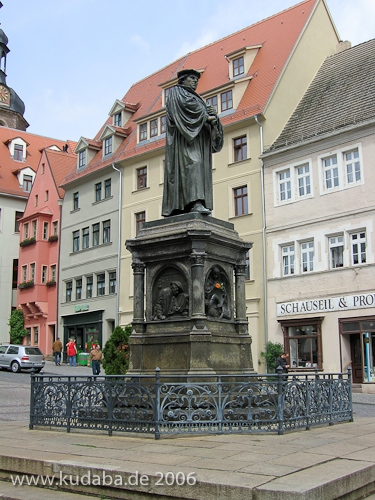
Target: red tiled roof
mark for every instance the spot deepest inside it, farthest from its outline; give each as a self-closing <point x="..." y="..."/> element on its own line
<point x="9" y="167"/>
<point x="277" y="36"/>
<point x="61" y="164"/>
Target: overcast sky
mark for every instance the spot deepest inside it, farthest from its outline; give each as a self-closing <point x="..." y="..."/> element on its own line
<point x="70" y="60"/>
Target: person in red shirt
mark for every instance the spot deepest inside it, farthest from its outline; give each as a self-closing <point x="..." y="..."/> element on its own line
<point x="71" y="351"/>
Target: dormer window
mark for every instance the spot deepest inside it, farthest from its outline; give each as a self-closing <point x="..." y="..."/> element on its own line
<point x="212" y="101"/>
<point x="143" y="132"/>
<point x="226" y="100"/>
<point x="117" y="120"/>
<point x="238" y="66"/>
<point x="163" y="124"/>
<point x="27" y="183"/>
<point x="82" y="158"/>
<point x="108" y="146"/>
<point x="18" y="152"/>
<point x="153" y="128"/>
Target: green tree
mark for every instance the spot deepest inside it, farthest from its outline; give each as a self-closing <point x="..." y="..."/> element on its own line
<point x="116" y="352"/>
<point x="273" y="351"/>
<point x="17" y="331"/>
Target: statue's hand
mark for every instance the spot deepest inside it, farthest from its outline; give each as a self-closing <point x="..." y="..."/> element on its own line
<point x="211" y="110"/>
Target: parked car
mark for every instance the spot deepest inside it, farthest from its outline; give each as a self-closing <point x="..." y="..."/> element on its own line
<point x="21" y="357"/>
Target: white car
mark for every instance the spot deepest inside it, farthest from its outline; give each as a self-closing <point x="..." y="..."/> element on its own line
<point x="21" y="357"/>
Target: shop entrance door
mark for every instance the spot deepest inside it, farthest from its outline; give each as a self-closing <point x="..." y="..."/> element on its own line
<point x="357" y="366"/>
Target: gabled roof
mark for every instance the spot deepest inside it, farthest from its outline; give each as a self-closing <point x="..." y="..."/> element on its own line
<point x="60" y="163"/>
<point x="341" y="94"/>
<point x="9" y="167"/>
<point x="276" y="36"/>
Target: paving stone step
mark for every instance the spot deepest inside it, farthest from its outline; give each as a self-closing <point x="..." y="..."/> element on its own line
<point x="10" y="492"/>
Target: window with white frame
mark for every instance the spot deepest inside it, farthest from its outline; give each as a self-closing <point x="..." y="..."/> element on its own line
<point x="307" y="256"/>
<point x="34" y="228"/>
<point x="85" y="237"/>
<point x="352" y="166"/>
<point x="68" y="291"/>
<point x="26" y="230"/>
<point x="358" y="246"/>
<point x="55" y="226"/>
<point x="100" y="284"/>
<point x="108" y="146"/>
<point x="106" y="231"/>
<point x="79" y="289"/>
<point x="331" y="172"/>
<point x="24" y="273"/>
<point x="53" y="272"/>
<point x="107" y="188"/>
<point x="287" y="253"/>
<point x="143" y="132"/>
<point x="285" y="185"/>
<point x="44" y="274"/>
<point x="336" y="251"/>
<point x="32" y="271"/>
<point x="82" y="158"/>
<point x="75" y="241"/>
<point x="112" y="282"/>
<point x="45" y="230"/>
<point x="303" y="180"/>
<point x="117" y="120"/>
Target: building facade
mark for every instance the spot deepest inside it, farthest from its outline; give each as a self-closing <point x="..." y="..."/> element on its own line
<point x="320" y="207"/>
<point x="89" y="264"/>
<point x="254" y="78"/>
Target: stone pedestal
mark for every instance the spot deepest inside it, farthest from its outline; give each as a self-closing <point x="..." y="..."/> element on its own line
<point x="193" y="320"/>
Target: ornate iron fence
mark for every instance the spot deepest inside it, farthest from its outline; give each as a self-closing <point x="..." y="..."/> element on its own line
<point x="161" y="404"/>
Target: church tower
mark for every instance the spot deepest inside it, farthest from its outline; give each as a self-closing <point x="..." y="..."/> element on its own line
<point x="12" y="107"/>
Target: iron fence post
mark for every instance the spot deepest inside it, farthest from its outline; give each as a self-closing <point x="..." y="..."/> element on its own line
<point x="68" y="407"/>
<point x="350" y="392"/>
<point x="220" y="409"/>
<point x="157" y="403"/>
<point x="308" y="401"/>
<point x="32" y="400"/>
<point x="280" y="400"/>
<point x="330" y="388"/>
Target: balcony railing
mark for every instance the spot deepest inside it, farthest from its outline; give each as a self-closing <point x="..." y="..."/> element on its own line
<point x="161" y="404"/>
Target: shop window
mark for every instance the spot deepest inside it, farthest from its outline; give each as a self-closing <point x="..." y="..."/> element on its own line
<point x="303" y="343"/>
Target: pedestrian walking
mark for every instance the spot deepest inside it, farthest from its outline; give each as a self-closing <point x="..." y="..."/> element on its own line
<point x="57" y="349"/>
<point x="95" y="358"/>
<point x="71" y="350"/>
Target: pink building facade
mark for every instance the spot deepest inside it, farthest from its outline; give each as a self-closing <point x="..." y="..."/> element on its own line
<point x="39" y="250"/>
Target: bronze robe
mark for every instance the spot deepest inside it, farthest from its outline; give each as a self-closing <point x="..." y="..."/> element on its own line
<point x="190" y="142"/>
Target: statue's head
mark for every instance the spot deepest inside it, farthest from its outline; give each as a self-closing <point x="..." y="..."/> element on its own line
<point x="185" y="75"/>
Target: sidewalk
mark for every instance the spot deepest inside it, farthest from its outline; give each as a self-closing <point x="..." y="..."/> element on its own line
<point x="323" y="463"/>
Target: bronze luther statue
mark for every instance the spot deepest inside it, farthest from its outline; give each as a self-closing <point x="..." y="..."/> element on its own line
<point x="194" y="132"/>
